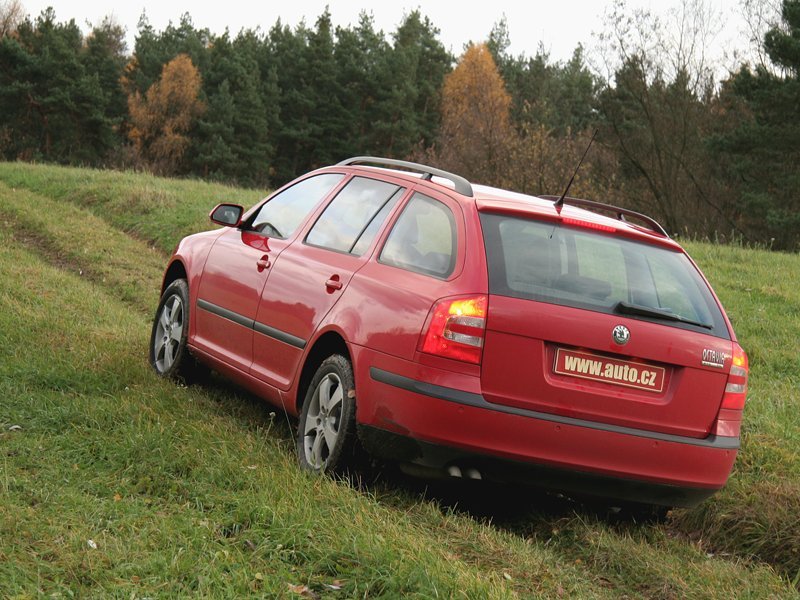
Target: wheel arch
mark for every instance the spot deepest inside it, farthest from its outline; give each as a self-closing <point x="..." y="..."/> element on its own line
<point x="176" y="270"/>
<point x="329" y="343"/>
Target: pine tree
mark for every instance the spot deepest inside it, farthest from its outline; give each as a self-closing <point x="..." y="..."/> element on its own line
<point x="419" y="66"/>
<point x="331" y="121"/>
<point x="558" y="96"/>
<point x="231" y="141"/>
<point x="54" y="104"/>
<point x="295" y="139"/>
<point x="104" y="58"/>
<point x="212" y="153"/>
<point x="763" y="151"/>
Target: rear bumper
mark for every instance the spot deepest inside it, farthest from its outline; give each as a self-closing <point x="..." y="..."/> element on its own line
<point x="438" y="427"/>
<point x="394" y="446"/>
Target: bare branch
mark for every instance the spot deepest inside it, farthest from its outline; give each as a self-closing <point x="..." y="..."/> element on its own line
<point x="11" y="15"/>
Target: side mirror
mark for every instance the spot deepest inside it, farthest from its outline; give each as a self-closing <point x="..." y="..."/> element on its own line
<point x="229" y="215"/>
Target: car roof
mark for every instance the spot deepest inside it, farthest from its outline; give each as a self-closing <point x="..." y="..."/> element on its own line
<point x="621" y="221"/>
<point x="496" y="200"/>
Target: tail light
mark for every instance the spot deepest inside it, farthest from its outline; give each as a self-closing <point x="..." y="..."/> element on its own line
<point x="455" y="328"/>
<point x="729" y="419"/>
<point x="736" y="388"/>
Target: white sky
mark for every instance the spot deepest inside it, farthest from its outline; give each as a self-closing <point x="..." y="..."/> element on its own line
<point x="559" y="25"/>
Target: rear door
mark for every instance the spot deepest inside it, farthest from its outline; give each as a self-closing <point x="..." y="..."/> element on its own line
<point x="422" y="256"/>
<point x="312" y="274"/>
<point x="594" y="326"/>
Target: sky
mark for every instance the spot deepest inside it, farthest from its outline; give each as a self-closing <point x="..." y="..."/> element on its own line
<point x="559" y="26"/>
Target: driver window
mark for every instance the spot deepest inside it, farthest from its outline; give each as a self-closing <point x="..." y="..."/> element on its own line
<point x="281" y="215"/>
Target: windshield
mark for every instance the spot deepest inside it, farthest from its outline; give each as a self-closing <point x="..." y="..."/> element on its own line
<point x="573" y="266"/>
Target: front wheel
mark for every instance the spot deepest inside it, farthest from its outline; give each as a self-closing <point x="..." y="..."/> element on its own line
<point x="169" y="355"/>
<point x="326" y="433"/>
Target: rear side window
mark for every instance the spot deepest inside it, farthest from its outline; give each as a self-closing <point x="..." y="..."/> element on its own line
<point x="571" y="266"/>
<point x="423" y="238"/>
<point x="352" y="219"/>
<point x="282" y="214"/>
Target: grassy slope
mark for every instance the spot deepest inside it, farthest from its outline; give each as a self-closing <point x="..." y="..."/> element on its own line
<point x="195" y="490"/>
<point x="759" y="511"/>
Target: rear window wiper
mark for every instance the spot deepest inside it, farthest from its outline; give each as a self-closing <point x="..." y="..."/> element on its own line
<point x="647" y="311"/>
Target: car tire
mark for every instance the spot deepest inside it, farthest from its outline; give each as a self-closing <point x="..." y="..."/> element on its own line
<point x="326" y="433"/>
<point x="169" y="355"/>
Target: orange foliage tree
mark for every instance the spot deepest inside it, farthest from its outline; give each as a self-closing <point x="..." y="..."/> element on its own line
<point x="476" y="134"/>
<point x="161" y="119"/>
<point x="479" y="140"/>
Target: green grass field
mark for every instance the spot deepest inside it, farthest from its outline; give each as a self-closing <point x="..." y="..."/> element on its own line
<point x="114" y="483"/>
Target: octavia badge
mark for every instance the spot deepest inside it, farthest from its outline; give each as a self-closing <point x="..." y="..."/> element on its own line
<point x="621" y="335"/>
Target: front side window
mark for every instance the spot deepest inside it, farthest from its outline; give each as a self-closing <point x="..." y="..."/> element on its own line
<point x="353" y="218"/>
<point x="572" y="266"/>
<point x="423" y="238"/>
<point x="282" y="214"/>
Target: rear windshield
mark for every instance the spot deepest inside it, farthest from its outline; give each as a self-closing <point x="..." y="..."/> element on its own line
<point x="573" y="266"/>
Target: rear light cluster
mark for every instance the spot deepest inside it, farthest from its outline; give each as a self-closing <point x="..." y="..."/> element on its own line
<point x="736" y="389"/>
<point x="455" y="328"/>
<point x="729" y="420"/>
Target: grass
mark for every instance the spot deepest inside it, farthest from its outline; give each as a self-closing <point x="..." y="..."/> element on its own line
<point x="195" y="491"/>
<point x="759" y="512"/>
<point x="83" y="244"/>
<point x="159" y="211"/>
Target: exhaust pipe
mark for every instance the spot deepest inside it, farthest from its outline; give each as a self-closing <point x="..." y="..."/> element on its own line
<point x="473" y="474"/>
<point x="470" y="473"/>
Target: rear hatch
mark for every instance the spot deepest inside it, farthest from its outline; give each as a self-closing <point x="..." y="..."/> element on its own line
<point x="586" y="323"/>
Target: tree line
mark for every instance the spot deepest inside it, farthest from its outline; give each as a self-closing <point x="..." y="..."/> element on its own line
<point x="707" y="157"/>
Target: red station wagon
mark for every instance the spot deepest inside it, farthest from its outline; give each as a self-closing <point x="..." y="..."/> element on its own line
<point x="465" y="331"/>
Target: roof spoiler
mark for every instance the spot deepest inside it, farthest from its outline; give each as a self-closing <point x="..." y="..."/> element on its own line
<point x="462" y="186"/>
<point x="621" y="214"/>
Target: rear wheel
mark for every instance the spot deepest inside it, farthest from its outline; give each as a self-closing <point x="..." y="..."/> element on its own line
<point x="326" y="433"/>
<point x="169" y="355"/>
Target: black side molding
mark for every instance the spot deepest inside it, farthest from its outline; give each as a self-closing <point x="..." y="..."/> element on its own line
<point x="281" y="336"/>
<point x="225" y="313"/>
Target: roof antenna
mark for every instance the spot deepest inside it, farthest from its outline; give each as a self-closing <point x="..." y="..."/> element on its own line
<point x="560" y="202"/>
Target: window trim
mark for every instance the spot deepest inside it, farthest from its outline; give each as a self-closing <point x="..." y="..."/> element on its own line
<point x="400" y="192"/>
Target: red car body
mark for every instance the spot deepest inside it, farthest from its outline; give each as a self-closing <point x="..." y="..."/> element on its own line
<point x="541" y="392"/>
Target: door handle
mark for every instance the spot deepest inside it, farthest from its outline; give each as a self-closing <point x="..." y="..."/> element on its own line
<point x="333" y="283"/>
<point x="262" y="263"/>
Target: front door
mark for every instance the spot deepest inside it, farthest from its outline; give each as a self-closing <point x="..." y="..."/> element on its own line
<point x="312" y="274"/>
<point x="239" y="264"/>
<point x="230" y="288"/>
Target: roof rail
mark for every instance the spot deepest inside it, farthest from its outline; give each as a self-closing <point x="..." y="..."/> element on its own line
<point x="619" y="213"/>
<point x="462" y="185"/>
